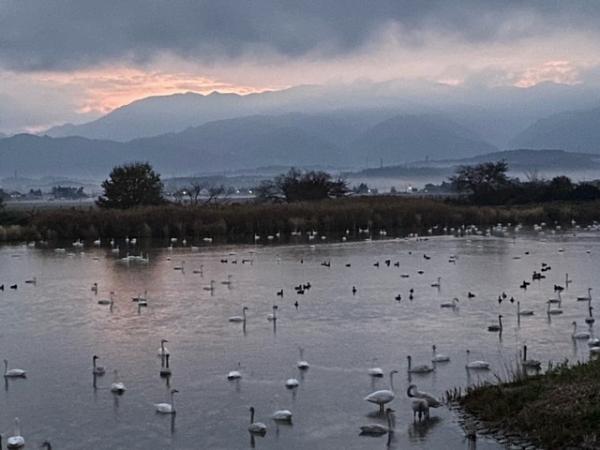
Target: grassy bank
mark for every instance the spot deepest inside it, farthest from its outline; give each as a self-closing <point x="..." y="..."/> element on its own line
<point x="557" y="410"/>
<point x="241" y="221"/>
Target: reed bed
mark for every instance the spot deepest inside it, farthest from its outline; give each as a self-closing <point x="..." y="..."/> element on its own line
<point x="238" y="222"/>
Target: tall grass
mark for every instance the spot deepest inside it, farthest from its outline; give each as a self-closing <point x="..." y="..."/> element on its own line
<point x="559" y="409"/>
<point x="396" y="215"/>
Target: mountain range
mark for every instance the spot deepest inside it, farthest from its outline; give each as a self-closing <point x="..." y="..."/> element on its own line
<point x="226" y="145"/>
<point x="343" y="127"/>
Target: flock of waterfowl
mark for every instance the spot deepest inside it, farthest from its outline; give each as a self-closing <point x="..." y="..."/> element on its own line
<point x="421" y="402"/>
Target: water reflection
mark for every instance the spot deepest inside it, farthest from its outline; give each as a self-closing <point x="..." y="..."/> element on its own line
<point x="60" y="324"/>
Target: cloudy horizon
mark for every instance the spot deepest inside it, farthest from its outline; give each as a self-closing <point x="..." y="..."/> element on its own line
<point x="68" y="61"/>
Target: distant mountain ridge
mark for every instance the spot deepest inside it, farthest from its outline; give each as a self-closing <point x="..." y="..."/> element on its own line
<point x="249" y="142"/>
<point x="577" y="131"/>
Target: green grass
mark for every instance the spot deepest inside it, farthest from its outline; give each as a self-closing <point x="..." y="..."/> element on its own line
<point x="559" y="409"/>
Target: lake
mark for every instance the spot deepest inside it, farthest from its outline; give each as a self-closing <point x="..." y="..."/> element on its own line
<point x="52" y="329"/>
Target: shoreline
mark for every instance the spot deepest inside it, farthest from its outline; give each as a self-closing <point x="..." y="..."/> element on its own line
<point x="242" y="222"/>
<point x="557" y="409"/>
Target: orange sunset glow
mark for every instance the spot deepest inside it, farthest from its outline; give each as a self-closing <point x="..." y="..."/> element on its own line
<point x="107" y="89"/>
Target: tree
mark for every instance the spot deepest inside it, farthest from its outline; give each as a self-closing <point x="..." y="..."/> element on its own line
<point x="560" y="188"/>
<point x="482" y="181"/>
<point x="297" y="186"/>
<point x="131" y="185"/>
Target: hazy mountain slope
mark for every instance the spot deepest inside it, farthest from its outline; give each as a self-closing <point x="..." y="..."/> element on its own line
<point x="407" y="138"/>
<point x="577" y="131"/>
<point x="496" y="113"/>
<point x="537" y="159"/>
<point x="39" y="156"/>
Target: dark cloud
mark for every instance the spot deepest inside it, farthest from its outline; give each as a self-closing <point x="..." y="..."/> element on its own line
<point x="68" y="34"/>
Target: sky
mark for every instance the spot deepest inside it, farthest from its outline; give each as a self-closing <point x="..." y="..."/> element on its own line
<point x="75" y="60"/>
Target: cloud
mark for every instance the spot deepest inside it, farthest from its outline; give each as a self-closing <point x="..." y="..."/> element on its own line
<point x="70" y="34"/>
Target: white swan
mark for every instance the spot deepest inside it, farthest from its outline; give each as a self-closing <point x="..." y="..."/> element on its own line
<point x="383" y="396"/>
<point x="579" y="334"/>
<point x="302" y="364"/>
<point x="375" y="372"/>
<point x="241" y="318"/>
<point x="235" y="374"/>
<point x="423" y="368"/>
<point x="413" y="392"/>
<point x="117" y="387"/>
<point x="476" y="365"/>
<point x="439" y="357"/>
<point x="16" y="441"/>
<point x="273" y="316"/>
<point x="524" y="312"/>
<point x="167" y="408"/>
<point x="13" y="373"/>
<point x="438" y="283"/>
<point x="291" y="383"/>
<point x="256" y="427"/>
<point x="377" y="429"/>
<point x="163" y="351"/>
<point x="452" y="304"/>
<point x="282" y="415"/>
<point x="97" y="370"/>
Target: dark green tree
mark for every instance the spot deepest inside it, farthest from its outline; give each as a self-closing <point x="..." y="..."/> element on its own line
<point x="131" y="185"/>
<point x="296" y="186"/>
<point x="483" y="181"/>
